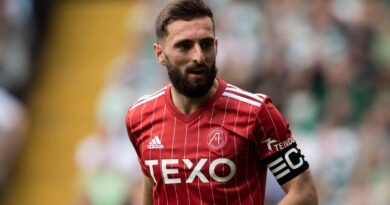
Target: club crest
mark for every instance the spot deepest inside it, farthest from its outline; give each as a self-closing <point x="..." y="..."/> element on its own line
<point x="217" y="139"/>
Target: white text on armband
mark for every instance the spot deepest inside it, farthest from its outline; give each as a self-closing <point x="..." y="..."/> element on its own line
<point x="288" y="164"/>
<point x="196" y="170"/>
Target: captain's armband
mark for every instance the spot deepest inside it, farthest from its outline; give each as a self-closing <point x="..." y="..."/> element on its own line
<point x="287" y="164"/>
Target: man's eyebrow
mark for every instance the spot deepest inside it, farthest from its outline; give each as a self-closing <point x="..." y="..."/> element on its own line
<point x="183" y="41"/>
<point x="208" y="39"/>
<point x="189" y="41"/>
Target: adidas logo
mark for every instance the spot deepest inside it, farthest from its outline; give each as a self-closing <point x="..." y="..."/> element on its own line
<point x="155" y="143"/>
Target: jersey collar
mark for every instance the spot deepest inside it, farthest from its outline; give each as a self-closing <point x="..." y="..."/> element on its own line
<point x="206" y="106"/>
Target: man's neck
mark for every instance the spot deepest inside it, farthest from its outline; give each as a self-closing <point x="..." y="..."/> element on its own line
<point x="188" y="105"/>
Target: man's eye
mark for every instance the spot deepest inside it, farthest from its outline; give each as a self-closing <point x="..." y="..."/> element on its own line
<point x="207" y="44"/>
<point x="184" y="46"/>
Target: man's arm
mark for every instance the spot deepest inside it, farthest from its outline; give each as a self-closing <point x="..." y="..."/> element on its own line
<point x="147" y="191"/>
<point x="300" y="190"/>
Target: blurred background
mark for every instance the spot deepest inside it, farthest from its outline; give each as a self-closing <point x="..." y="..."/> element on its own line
<point x="70" y="69"/>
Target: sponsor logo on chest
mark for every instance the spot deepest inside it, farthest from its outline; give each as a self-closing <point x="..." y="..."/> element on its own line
<point x="165" y="164"/>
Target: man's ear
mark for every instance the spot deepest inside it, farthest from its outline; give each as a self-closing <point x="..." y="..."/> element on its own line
<point x="158" y="52"/>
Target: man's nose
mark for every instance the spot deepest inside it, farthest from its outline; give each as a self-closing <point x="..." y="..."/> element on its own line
<point x="198" y="54"/>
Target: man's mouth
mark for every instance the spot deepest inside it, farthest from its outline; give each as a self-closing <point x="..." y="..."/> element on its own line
<point x="198" y="71"/>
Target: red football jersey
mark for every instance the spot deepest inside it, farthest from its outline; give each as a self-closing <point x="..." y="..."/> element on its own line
<point x="217" y="155"/>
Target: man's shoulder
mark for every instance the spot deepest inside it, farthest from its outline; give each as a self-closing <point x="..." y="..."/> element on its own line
<point x="239" y="109"/>
<point x="245" y="98"/>
<point x="143" y="102"/>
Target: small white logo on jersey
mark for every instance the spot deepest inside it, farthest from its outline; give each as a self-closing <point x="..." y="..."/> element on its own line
<point x="155" y="143"/>
<point x="216" y="139"/>
<point x="269" y="143"/>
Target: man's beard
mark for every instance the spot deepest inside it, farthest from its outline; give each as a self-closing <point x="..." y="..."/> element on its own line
<point x="192" y="89"/>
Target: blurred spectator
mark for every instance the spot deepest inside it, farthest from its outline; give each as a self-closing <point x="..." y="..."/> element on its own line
<point x="13" y="127"/>
<point x="15" y="46"/>
<point x="107" y="169"/>
<point x="371" y="180"/>
<point x="19" y="38"/>
<point x="22" y="25"/>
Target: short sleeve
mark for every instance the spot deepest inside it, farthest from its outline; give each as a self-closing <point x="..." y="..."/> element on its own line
<point x="277" y="147"/>
<point x="272" y="132"/>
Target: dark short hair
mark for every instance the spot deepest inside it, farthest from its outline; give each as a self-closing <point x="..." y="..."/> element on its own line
<point x="180" y="10"/>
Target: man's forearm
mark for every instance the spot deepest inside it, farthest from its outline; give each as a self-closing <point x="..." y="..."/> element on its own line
<point x="307" y="197"/>
<point x="300" y="191"/>
<point x="147" y="191"/>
